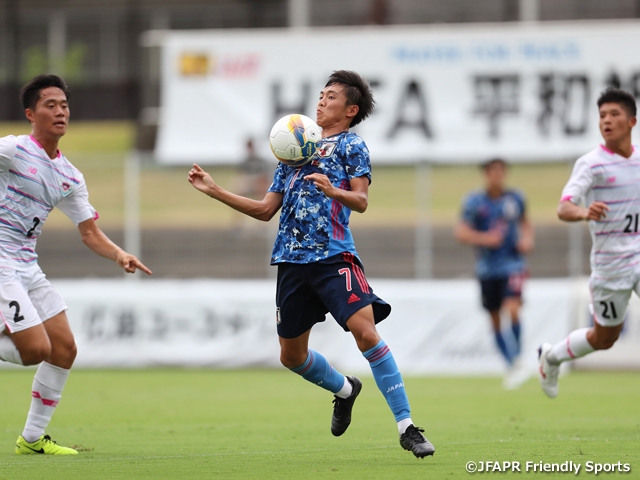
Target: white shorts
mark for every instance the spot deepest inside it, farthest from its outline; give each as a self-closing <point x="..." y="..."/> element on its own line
<point x="610" y="296"/>
<point x="27" y="299"/>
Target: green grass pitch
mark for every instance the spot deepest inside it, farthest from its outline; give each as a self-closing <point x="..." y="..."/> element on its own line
<point x="270" y="424"/>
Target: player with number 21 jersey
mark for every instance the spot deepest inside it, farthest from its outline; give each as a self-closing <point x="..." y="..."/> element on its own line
<point x="607" y="182"/>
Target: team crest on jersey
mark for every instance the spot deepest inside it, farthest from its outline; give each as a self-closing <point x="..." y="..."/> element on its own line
<point x="65" y="187"/>
<point x="326" y="150"/>
<point x="510" y="209"/>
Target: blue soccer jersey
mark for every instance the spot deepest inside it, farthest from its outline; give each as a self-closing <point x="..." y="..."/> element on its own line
<point x="312" y="226"/>
<point x="483" y="213"/>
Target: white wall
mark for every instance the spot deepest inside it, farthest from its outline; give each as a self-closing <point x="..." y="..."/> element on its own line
<point x="436" y="327"/>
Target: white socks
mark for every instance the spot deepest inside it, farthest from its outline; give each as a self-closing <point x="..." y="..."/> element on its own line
<point x="8" y="351"/>
<point x="404" y="424"/>
<point x="46" y="393"/>
<point x="575" y="345"/>
<point x="346" y="389"/>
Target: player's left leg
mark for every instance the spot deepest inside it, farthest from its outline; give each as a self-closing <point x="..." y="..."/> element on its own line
<point x="389" y="380"/>
<point x="513" y="302"/>
<point x="518" y="373"/>
<point x="493" y="292"/>
<point x="512" y="306"/>
<point x="51" y="375"/>
<point x="46" y="391"/>
<point x="609" y="308"/>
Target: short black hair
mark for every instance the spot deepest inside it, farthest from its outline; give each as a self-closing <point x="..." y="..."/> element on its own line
<point x="30" y="93"/>
<point x="357" y="91"/>
<point x="494" y="161"/>
<point x="621" y="97"/>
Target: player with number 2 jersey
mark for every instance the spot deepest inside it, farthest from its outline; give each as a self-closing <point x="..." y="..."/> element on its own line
<point x="34" y="179"/>
<point x="607" y="181"/>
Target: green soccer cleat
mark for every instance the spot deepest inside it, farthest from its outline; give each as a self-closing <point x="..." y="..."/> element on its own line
<point x="44" y="445"/>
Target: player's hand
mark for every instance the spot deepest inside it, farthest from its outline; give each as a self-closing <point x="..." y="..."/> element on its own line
<point x="323" y="183"/>
<point x="524" y="245"/>
<point x="493" y="238"/>
<point x="597" y="211"/>
<point x="200" y="179"/>
<point x="130" y="263"/>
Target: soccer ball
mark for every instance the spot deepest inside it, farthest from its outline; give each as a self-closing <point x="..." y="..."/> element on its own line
<point x="293" y="139"/>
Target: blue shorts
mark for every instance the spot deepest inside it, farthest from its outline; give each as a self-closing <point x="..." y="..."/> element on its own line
<point x="495" y="290"/>
<point x="307" y="292"/>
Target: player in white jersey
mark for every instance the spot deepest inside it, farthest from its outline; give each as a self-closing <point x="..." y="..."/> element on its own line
<point x="34" y="178"/>
<point x="607" y="181"/>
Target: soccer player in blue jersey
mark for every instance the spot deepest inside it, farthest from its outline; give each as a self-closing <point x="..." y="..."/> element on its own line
<point x="319" y="270"/>
<point x="494" y="221"/>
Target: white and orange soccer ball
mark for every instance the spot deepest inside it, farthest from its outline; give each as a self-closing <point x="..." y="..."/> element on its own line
<point x="293" y="139"/>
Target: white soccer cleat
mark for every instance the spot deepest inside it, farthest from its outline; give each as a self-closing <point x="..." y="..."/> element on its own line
<point x="547" y="373"/>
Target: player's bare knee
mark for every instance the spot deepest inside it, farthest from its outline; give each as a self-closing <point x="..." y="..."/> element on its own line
<point x="366" y="339"/>
<point x="291" y="359"/>
<point x="64" y="352"/>
<point x="604" y="343"/>
<point x="36" y="354"/>
<point x="70" y="351"/>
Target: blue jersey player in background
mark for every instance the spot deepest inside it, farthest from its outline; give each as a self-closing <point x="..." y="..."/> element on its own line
<point x="319" y="270"/>
<point x="494" y="221"/>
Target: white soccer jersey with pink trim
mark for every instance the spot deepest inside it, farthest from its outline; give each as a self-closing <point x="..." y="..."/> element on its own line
<point x="604" y="176"/>
<point x="31" y="185"/>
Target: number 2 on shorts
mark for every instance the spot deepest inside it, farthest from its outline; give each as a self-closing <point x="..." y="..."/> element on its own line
<point x="17" y="317"/>
<point x="347" y="275"/>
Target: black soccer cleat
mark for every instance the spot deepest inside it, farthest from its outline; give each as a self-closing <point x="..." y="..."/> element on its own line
<point x="342" y="408"/>
<point x="413" y="440"/>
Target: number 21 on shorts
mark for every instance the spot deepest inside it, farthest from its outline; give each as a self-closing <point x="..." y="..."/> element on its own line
<point x="609" y="310"/>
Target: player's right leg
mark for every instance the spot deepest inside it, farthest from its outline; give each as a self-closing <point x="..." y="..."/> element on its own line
<point x="518" y="372"/>
<point x="313" y="367"/>
<point x="609" y="307"/>
<point x="298" y="309"/>
<point x="493" y="294"/>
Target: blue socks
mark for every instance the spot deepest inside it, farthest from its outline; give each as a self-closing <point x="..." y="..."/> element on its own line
<point x="316" y="369"/>
<point x="509" y="352"/>
<point x="504" y="348"/>
<point x="388" y="378"/>
<point x="515" y="328"/>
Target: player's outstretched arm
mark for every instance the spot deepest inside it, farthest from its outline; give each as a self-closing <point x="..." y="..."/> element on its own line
<point x="263" y="209"/>
<point x="356" y="199"/>
<point x="464" y="233"/>
<point x="96" y="240"/>
<point x="570" y="212"/>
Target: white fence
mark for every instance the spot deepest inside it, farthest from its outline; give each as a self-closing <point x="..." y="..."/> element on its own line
<point x="436" y="327"/>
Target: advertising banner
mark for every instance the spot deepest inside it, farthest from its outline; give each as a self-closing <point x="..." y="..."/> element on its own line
<point x="460" y="93"/>
<point x="435" y="327"/>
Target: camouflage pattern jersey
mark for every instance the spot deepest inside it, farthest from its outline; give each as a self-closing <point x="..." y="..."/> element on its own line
<point x="312" y="226"/>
